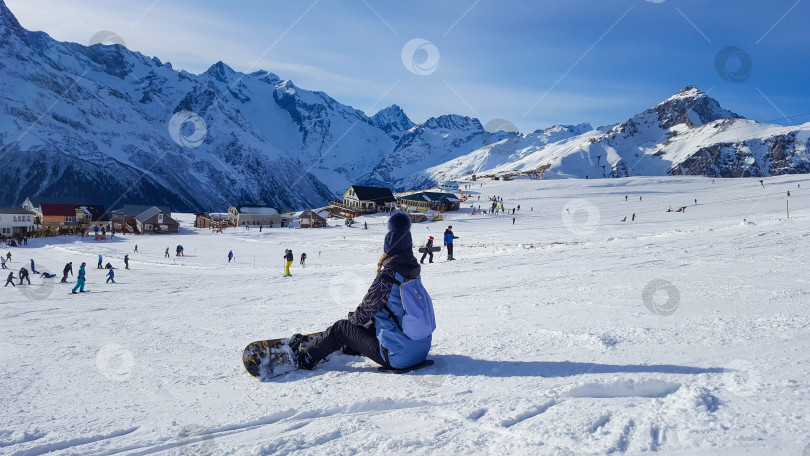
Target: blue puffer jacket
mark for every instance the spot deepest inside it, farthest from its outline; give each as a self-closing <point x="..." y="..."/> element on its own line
<point x="395" y="347"/>
<point x="383" y="304"/>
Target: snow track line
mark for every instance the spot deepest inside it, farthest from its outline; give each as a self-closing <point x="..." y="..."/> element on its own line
<point x="66" y="444"/>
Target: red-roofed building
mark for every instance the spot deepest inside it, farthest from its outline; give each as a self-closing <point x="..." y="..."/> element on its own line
<point x="58" y="214"/>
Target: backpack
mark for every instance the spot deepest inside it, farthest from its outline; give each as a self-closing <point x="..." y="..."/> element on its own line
<point x="416" y="319"/>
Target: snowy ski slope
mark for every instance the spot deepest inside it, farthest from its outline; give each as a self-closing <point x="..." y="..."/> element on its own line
<point x="552" y="335"/>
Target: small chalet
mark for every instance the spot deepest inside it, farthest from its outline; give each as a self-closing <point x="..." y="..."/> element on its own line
<point x="58" y="215"/>
<point x="155" y="220"/>
<point x="15" y="220"/>
<point x="256" y="215"/>
<point x="368" y="200"/>
<point x="310" y="219"/>
<point x="449" y="186"/>
<point x="124" y="220"/>
<point x="427" y="201"/>
<point x="216" y="220"/>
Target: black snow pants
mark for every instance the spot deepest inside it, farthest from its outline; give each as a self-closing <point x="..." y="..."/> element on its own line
<point x="351" y="339"/>
<point x="427" y="252"/>
<point x="450" y="251"/>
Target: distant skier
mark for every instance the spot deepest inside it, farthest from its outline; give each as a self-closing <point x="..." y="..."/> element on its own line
<point x="625" y="197"/>
<point x="80" y="280"/>
<point x="762" y="183"/>
<point x="126" y="261"/>
<point x="230" y="255"/>
<point x="136" y="248"/>
<point x="634" y="217"/>
<point x="167" y="252"/>
<point x="303" y="258"/>
<point x="68" y="269"/>
<point x="8" y="256"/>
<point x="111" y="276"/>
<point x="428" y="251"/>
<point x="24" y="276"/>
<point x="288" y="257"/>
<point x="448" y="242"/>
<point x="513" y="220"/>
<point x="3" y="262"/>
<point x="99" y="263"/>
<point x="10" y="280"/>
<point x="788" y="193"/>
<point x="624" y="219"/>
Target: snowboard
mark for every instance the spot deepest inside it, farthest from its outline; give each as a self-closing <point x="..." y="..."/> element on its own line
<point x="265" y="359"/>
<point x="423" y="364"/>
<point x="432" y="249"/>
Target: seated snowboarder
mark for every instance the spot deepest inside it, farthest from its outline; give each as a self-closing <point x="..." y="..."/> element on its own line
<point x="375" y="328"/>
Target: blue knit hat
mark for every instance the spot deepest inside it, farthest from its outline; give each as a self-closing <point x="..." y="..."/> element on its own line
<point x="398" y="239"/>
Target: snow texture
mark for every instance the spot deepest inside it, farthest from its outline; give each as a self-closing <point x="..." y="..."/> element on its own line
<point x="553" y="335"/>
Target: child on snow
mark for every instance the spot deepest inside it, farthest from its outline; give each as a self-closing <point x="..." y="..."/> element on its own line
<point x="111" y="276"/>
<point x="10" y="279"/>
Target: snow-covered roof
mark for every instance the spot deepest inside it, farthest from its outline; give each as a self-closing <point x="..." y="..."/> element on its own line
<point x="257" y="210"/>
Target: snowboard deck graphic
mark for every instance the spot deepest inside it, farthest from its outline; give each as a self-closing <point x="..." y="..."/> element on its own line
<point x="432" y="249"/>
<point x="265" y="359"/>
<point x="423" y="364"/>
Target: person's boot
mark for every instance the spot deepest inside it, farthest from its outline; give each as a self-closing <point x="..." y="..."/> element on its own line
<point x="301" y="358"/>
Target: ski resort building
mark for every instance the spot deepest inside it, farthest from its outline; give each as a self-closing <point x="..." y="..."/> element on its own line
<point x="155" y="220"/>
<point x="311" y="219"/>
<point x="83" y="212"/>
<point x="257" y="215"/>
<point x="449" y="186"/>
<point x="367" y="200"/>
<point x="216" y="220"/>
<point x="428" y="201"/>
<point x="125" y="220"/>
<point x="15" y="220"/>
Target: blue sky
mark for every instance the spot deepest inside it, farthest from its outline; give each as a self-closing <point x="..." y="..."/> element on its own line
<point x="533" y="63"/>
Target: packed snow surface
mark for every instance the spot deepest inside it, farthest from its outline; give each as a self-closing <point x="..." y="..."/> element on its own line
<point x="568" y="332"/>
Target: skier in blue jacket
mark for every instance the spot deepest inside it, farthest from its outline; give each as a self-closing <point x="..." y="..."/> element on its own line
<point x="448" y="241"/>
<point x="362" y="332"/>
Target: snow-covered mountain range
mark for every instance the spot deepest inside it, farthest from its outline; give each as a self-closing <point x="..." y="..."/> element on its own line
<point x="107" y="123"/>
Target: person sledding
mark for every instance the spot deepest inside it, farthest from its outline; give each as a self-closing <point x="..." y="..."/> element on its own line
<point x="378" y="328"/>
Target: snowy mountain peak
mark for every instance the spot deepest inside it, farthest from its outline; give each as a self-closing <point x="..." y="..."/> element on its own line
<point x="392" y="119"/>
<point x="8" y="22"/>
<point x="220" y="71"/>
<point x="454" y="122"/>
<point x="690" y="106"/>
